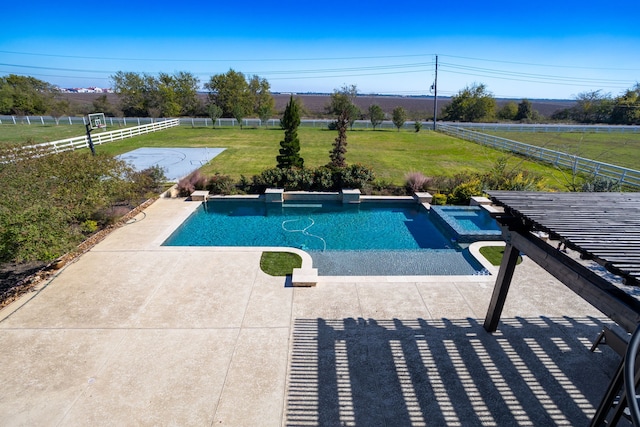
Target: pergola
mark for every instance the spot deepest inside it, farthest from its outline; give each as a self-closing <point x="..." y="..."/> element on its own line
<point x="603" y="227"/>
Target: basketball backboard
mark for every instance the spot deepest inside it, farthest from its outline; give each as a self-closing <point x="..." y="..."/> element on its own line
<point x="97" y="121"/>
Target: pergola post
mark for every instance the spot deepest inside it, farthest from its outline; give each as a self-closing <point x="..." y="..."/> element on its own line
<point x="501" y="288"/>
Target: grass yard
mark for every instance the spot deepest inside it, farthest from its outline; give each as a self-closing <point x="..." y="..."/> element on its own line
<point x="22" y="133"/>
<point x="614" y="148"/>
<point x="390" y="153"/>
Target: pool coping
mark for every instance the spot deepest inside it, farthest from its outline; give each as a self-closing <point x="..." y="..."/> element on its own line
<point x="307" y="275"/>
<point x="450" y="222"/>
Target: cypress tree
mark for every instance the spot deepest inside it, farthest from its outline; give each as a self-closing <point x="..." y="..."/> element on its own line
<point x="290" y="147"/>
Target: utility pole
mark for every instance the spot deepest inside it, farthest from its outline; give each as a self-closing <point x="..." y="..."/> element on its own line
<point x="435" y="97"/>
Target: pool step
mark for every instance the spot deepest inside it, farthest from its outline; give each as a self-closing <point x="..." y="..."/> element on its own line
<point x="304" y="277"/>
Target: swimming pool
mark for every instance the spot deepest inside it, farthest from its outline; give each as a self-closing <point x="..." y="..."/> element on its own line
<point x="468" y="223"/>
<point x="375" y="239"/>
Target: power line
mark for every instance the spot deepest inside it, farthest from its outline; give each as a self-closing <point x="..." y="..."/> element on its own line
<point x="564" y="83"/>
<point x="421" y="65"/>
<point x="544" y="77"/>
<point x="337" y="58"/>
<point x="543" y="65"/>
<point x="60" y="76"/>
<point x="402" y="68"/>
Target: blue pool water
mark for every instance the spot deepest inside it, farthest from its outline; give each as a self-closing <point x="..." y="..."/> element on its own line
<point x="468" y="223"/>
<point x="365" y="239"/>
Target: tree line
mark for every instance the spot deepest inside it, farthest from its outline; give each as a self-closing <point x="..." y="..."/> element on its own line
<point x="234" y="94"/>
<point x="476" y="104"/>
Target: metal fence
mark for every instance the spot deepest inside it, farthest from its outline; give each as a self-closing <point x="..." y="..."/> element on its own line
<point x="97" y="139"/>
<point x="626" y="177"/>
<point x="508" y="127"/>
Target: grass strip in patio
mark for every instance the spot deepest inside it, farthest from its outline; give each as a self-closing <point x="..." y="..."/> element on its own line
<point x="494" y="254"/>
<point x="279" y="263"/>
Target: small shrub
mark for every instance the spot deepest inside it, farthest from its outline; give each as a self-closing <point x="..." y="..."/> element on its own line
<point x="156" y="173"/>
<point x="244" y="185"/>
<point x="385" y="189"/>
<point x="220" y="184"/>
<point x="297" y="179"/>
<point x="356" y="176"/>
<point x="111" y="215"/>
<point x="600" y="184"/>
<point x="416" y="181"/>
<point x="272" y="177"/>
<point x="439" y="199"/>
<point x="446" y="184"/>
<point x="417" y="125"/>
<point x="499" y="178"/>
<point x="463" y="192"/>
<point x="89" y="226"/>
<point x="190" y="183"/>
<point x="323" y="179"/>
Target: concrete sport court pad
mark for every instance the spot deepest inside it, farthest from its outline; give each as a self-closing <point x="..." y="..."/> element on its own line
<point x="176" y="162"/>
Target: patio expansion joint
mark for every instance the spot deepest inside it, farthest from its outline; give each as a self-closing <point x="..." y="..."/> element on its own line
<point x="359" y="302"/>
<point x="426" y="306"/>
<point x="114" y="351"/>
<point x="285" y="390"/>
<point x="235" y="347"/>
<point x="466" y="301"/>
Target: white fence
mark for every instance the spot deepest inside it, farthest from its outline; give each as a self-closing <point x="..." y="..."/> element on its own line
<point x="96" y="138"/>
<point x="626" y="177"/>
<point x="197" y="122"/>
<point x="315" y="123"/>
<point x="509" y="127"/>
<point x="48" y="120"/>
<point x="321" y="123"/>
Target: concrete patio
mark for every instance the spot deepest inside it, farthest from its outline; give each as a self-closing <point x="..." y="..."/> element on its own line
<point x="134" y="333"/>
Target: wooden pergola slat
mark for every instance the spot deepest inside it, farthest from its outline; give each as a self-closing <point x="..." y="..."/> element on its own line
<point x="604" y="226"/>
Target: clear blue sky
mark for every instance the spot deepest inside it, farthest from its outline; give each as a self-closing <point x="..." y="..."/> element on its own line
<point x="537" y="49"/>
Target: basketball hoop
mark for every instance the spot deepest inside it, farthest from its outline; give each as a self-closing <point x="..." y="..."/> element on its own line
<point x="96" y="121"/>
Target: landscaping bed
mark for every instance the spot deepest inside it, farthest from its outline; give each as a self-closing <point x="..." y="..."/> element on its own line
<point x="17" y="279"/>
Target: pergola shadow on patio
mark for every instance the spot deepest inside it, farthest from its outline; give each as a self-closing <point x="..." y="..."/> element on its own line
<point x="602" y="227"/>
<point x="410" y="372"/>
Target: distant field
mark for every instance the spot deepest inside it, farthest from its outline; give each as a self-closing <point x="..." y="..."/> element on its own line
<point x="315" y="104"/>
<point x="617" y="149"/>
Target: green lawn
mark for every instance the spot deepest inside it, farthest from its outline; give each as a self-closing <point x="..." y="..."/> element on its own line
<point x="391" y="154"/>
<point x="494" y="254"/>
<point x="22" y="133"/>
<point x="614" y="148"/>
